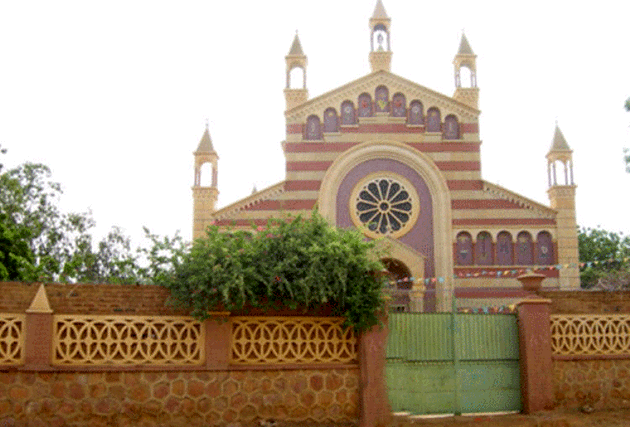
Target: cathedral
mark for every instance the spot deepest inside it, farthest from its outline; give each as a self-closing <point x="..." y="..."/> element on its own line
<point x="401" y="163"/>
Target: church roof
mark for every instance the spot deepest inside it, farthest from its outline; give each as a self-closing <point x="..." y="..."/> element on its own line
<point x="464" y="47"/>
<point x="205" y="145"/>
<point x="559" y="143"/>
<point x="296" y="47"/>
<point x="379" y="11"/>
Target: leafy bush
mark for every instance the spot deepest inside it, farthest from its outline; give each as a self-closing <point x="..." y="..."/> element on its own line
<point x="294" y="262"/>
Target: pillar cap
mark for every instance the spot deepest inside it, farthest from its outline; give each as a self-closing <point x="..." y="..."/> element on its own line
<point x="40" y="303"/>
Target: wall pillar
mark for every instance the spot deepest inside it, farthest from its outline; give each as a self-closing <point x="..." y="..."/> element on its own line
<point x="535" y="354"/>
<point x="218" y="341"/>
<point x="39" y="333"/>
<point x="374" y="408"/>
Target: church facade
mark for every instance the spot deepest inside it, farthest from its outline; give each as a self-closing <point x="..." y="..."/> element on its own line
<point x="401" y="163"/>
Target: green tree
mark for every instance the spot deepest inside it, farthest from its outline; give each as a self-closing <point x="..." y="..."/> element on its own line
<point x="295" y="262"/>
<point x="39" y="242"/>
<point x="606" y="257"/>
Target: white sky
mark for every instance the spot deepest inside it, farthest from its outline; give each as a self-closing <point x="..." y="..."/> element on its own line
<point x="114" y="95"/>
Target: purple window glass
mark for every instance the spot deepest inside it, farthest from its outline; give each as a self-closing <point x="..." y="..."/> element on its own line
<point x="451" y="127"/>
<point x="504" y="249"/>
<point x="331" y="121"/>
<point x="313" y="128"/>
<point x="348" y="114"/>
<point x="464" y="249"/>
<point x="524" y="249"/>
<point x="365" y="105"/>
<point x="399" y="105"/>
<point x="415" y="113"/>
<point x="483" y="249"/>
<point x="544" y="249"/>
<point x="433" y="120"/>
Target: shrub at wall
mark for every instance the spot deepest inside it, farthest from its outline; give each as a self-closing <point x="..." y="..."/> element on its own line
<point x="295" y="262"/>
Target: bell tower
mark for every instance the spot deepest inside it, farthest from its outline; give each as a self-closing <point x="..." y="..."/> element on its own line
<point x="562" y="198"/>
<point x="295" y="93"/>
<point x="205" y="190"/>
<point x="466" y="90"/>
<point x="380" y="44"/>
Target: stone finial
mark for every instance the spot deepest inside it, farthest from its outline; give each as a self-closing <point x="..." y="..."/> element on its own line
<point x="40" y="303"/>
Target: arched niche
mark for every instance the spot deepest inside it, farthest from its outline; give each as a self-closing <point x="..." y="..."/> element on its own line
<point x="348" y="113"/>
<point x="434" y="120"/>
<point x="483" y="249"/>
<point x="464" y="249"/>
<point x="331" y="120"/>
<point x="544" y="249"/>
<point x="524" y="249"/>
<point x="504" y="249"/>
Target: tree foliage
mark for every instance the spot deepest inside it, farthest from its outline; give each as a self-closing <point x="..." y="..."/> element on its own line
<point x="294" y="262"/>
<point x="605" y="255"/>
<point x="40" y="242"/>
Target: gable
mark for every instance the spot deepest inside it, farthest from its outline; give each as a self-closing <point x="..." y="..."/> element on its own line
<point x="368" y="84"/>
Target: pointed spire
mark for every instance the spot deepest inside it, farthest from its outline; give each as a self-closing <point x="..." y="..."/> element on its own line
<point x="464" y="47"/>
<point x="254" y="190"/>
<point x="205" y="145"/>
<point x="296" y="47"/>
<point x="559" y="143"/>
<point x="379" y="11"/>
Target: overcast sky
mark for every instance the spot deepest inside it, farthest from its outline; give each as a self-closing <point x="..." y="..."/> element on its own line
<point x="114" y="96"/>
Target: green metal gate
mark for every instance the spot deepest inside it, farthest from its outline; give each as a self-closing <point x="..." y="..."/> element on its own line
<point x="433" y="367"/>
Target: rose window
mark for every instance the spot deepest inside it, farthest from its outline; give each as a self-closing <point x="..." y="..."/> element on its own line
<point x="384" y="206"/>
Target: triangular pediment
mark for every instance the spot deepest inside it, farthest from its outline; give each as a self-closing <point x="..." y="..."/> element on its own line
<point x="497" y="191"/>
<point x="394" y="84"/>
<point x="231" y="210"/>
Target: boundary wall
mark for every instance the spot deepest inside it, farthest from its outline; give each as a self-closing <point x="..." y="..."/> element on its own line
<point x="590" y="332"/>
<point x="107" y="355"/>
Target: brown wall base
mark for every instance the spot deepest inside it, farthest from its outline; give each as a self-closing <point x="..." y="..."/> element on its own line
<point x="178" y="398"/>
<point x="601" y="384"/>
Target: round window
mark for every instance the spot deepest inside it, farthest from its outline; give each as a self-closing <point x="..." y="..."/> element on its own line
<point x="384" y="205"/>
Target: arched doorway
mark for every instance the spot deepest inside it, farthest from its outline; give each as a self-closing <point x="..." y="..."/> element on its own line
<point x="398" y="273"/>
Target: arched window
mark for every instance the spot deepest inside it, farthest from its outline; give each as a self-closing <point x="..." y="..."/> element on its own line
<point x="313" y="128"/>
<point x="296" y="78"/>
<point x="331" y="121"/>
<point x="204" y="175"/>
<point x="399" y="105"/>
<point x="544" y="249"/>
<point x="365" y="105"/>
<point x="434" y="120"/>
<point x="451" y="127"/>
<point x="348" y="115"/>
<point x="464" y="249"/>
<point x="483" y="249"/>
<point x="466" y="77"/>
<point x="381" y="99"/>
<point x="415" y="113"/>
<point x="504" y="249"/>
<point x="524" y="249"/>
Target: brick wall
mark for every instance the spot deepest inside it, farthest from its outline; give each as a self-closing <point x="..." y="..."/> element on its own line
<point x="218" y="391"/>
<point x="588" y="302"/>
<point x="601" y="384"/>
<point x="178" y="398"/>
<point x="89" y="299"/>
